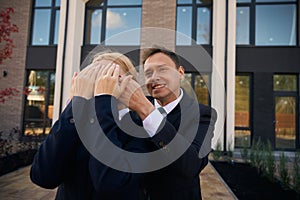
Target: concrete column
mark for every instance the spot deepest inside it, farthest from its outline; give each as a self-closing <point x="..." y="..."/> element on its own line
<point x="231" y="56"/>
<point x="68" y="56"/>
<point x="218" y="89"/>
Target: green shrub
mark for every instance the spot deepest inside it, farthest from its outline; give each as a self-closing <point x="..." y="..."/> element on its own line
<point x="217" y="153"/>
<point x="296" y="178"/>
<point x="263" y="160"/>
<point x="245" y="151"/>
<point x="256" y="155"/>
<point x="283" y="171"/>
<point x="270" y="162"/>
<point x="229" y="153"/>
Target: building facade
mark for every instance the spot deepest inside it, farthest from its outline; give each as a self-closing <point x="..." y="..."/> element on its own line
<point x="240" y="56"/>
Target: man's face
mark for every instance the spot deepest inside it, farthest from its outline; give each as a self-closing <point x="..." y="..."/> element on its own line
<point x="162" y="78"/>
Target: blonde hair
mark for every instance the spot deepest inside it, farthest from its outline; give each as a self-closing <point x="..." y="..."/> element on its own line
<point x="118" y="58"/>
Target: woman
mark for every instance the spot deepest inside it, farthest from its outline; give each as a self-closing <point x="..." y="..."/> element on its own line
<point x="63" y="161"/>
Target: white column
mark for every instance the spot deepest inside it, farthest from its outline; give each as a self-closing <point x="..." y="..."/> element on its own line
<point x="72" y="54"/>
<point x="59" y="57"/>
<point x="231" y="47"/>
<point x="218" y="90"/>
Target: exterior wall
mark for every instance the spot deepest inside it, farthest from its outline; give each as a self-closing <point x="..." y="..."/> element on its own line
<point x="159" y="25"/>
<point x="158" y="14"/>
<point x="11" y="110"/>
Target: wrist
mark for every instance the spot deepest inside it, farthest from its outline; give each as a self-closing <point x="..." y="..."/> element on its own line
<point x="143" y="110"/>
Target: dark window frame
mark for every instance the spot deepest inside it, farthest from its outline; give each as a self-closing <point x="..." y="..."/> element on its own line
<point x="104" y="7"/>
<point x="195" y="7"/>
<point x="250" y="127"/>
<point x="53" y="16"/>
<point x="296" y="94"/>
<point x="45" y="120"/>
<point x="252" y="14"/>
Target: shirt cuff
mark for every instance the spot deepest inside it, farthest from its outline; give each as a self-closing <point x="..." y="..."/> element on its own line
<point x="152" y="122"/>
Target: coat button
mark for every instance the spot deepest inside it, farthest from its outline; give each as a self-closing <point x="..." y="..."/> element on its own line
<point x="92" y="120"/>
<point x="72" y="121"/>
<point x="161" y="144"/>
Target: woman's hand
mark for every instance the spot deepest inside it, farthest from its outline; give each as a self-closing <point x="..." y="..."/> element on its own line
<point x="73" y="85"/>
<point x="108" y="81"/>
<point x="84" y="82"/>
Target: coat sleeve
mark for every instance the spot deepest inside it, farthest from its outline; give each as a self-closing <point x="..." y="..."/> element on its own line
<point x="56" y="154"/>
<point x="192" y="131"/>
<point x="105" y="178"/>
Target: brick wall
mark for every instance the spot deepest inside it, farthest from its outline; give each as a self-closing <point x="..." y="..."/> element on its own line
<point x="159" y="14"/>
<point x="11" y="110"/>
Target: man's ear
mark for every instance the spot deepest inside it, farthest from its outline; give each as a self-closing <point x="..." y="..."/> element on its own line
<point x="181" y="72"/>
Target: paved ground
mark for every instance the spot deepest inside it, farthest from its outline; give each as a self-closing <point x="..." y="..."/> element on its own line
<point x="17" y="185"/>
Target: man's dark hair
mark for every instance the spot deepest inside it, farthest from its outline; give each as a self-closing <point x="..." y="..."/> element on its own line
<point x="156" y="49"/>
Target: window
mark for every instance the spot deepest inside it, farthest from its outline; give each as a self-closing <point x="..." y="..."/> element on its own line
<point x="39" y="96"/>
<point x="266" y="22"/>
<point x="45" y="22"/>
<point x="193" y="22"/>
<point x="286" y="105"/>
<point x="107" y="18"/>
<point x="197" y="84"/>
<point x="242" y="111"/>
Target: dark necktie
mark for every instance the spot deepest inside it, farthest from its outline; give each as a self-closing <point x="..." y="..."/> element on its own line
<point x="162" y="111"/>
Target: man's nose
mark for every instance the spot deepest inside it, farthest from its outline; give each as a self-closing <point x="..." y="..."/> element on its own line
<point x="155" y="76"/>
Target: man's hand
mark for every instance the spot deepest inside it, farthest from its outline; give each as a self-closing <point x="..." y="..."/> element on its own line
<point x="134" y="98"/>
<point x="107" y="81"/>
<point x="84" y="82"/>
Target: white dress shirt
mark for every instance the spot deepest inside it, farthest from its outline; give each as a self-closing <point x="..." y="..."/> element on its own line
<point x="154" y="119"/>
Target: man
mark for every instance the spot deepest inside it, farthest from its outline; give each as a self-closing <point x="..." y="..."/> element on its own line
<point x="182" y="120"/>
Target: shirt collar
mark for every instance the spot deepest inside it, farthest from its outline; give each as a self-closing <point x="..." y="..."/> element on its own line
<point x="170" y="106"/>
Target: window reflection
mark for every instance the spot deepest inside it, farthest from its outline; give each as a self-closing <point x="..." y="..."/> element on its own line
<point x="275" y="25"/>
<point x="94" y="24"/>
<point x="242" y="25"/>
<point x="184" y="25"/>
<point x="242" y="138"/>
<point x="242" y="97"/>
<point x="39" y="93"/>
<point x="242" y="111"/>
<point x="44" y="15"/>
<point x="203" y="26"/>
<point x="201" y="88"/>
<point x="43" y="2"/>
<point x="119" y="20"/>
<point x="285" y="122"/>
<point x="41" y="27"/>
<point x="184" y="1"/>
<point x="275" y="22"/>
<point x="56" y="27"/>
<point x="285" y="82"/>
<point x="193" y="22"/>
<point x="110" y="21"/>
<point x="123" y="3"/>
<point x="195" y="84"/>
